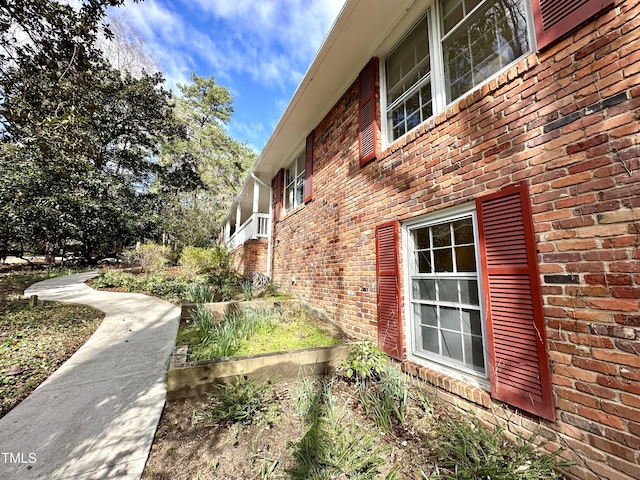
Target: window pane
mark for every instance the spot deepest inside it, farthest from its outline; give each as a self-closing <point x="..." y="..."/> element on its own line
<point x="450" y="318"/>
<point x="289" y="176"/>
<point x="469" y="292"/>
<point x="463" y="231"/>
<point x="288" y="199"/>
<point x="430" y="340"/>
<point x="448" y="290"/>
<point x="424" y="289"/>
<point x="466" y="259"/>
<point x="421" y="237"/>
<point x="471" y="322"/>
<point x="299" y="192"/>
<point x="476" y="48"/>
<point x="452" y="13"/>
<point x="425" y="314"/>
<point x="414" y="120"/>
<point x="425" y="99"/>
<point x="452" y="345"/>
<point x="443" y="260"/>
<point x="474" y="353"/>
<point x="423" y="263"/>
<point x="399" y="131"/>
<point x="477" y="354"/>
<point x="441" y="235"/>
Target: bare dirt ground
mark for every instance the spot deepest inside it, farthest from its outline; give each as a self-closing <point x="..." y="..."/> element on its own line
<point x="264" y="451"/>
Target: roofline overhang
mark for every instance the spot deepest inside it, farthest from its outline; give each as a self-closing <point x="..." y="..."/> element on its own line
<point x="357" y="35"/>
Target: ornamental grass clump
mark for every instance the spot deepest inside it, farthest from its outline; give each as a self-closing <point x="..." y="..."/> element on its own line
<point x="244" y="401"/>
<point x="224" y="338"/>
<point x="464" y="449"/>
<point x="332" y="446"/>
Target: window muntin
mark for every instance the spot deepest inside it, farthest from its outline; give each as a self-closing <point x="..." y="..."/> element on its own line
<point x="455" y="47"/>
<point x="481" y="42"/>
<point x="445" y="300"/>
<point x="294" y="184"/>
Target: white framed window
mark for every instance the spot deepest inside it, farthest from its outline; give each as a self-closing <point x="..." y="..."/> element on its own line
<point x="408" y="77"/>
<point x="446" y="320"/>
<point x="294" y="184"/>
<point x="453" y="48"/>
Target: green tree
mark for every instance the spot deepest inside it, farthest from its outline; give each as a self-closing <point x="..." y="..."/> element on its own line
<point x="217" y="163"/>
<point x="78" y="139"/>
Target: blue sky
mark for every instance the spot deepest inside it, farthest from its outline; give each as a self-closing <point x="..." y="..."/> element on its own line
<point x="258" y="49"/>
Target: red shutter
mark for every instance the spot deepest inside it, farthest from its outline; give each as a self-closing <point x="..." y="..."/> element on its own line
<point x="277" y="183"/>
<point x="555" y="18"/>
<point x="518" y="362"/>
<point x="368" y="128"/>
<point x="389" y="324"/>
<point x="308" y="170"/>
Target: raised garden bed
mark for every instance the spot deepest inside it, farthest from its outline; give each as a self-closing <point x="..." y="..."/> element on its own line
<point x="383" y="425"/>
<point x="268" y="339"/>
<point x="193" y="379"/>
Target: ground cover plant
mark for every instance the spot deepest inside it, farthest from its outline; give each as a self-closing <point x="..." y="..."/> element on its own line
<point x="252" y="332"/>
<point x="321" y="429"/>
<point x="195" y="274"/>
<point x="35" y="341"/>
<point x="161" y="284"/>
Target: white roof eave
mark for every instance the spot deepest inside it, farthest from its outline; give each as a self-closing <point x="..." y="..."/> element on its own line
<point x="353" y="39"/>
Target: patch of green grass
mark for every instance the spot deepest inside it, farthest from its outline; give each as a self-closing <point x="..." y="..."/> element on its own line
<point x="222" y="339"/>
<point x="294" y="333"/>
<point x="251" y="332"/>
<point x="38" y="340"/>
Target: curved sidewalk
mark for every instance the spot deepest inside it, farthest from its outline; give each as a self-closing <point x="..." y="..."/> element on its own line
<point x="96" y="416"/>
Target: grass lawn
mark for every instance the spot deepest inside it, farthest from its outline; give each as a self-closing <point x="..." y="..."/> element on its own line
<point x="253" y="333"/>
<point x="35" y="341"/>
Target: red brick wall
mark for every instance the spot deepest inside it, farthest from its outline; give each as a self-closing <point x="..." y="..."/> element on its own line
<point x="251" y="257"/>
<point x="565" y="121"/>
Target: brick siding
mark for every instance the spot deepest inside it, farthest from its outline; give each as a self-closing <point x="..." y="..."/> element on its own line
<point x="251" y="257"/>
<point x="566" y="122"/>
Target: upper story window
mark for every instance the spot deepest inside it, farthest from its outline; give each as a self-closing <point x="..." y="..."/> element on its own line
<point x="408" y="70"/>
<point x="456" y="46"/>
<point x="294" y="184"/>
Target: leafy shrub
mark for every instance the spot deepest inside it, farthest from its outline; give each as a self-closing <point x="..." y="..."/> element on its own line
<point x="152" y="283"/>
<point x="465" y="449"/>
<point x="365" y="362"/>
<point x="153" y="257"/>
<point x="198" y="259"/>
<point x="217" y="263"/>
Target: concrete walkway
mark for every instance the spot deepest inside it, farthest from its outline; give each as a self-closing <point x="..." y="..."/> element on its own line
<point x="96" y="416"/>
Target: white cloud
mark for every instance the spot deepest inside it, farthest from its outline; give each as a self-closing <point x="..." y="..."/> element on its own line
<point x="272" y="40"/>
<point x="268" y="44"/>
